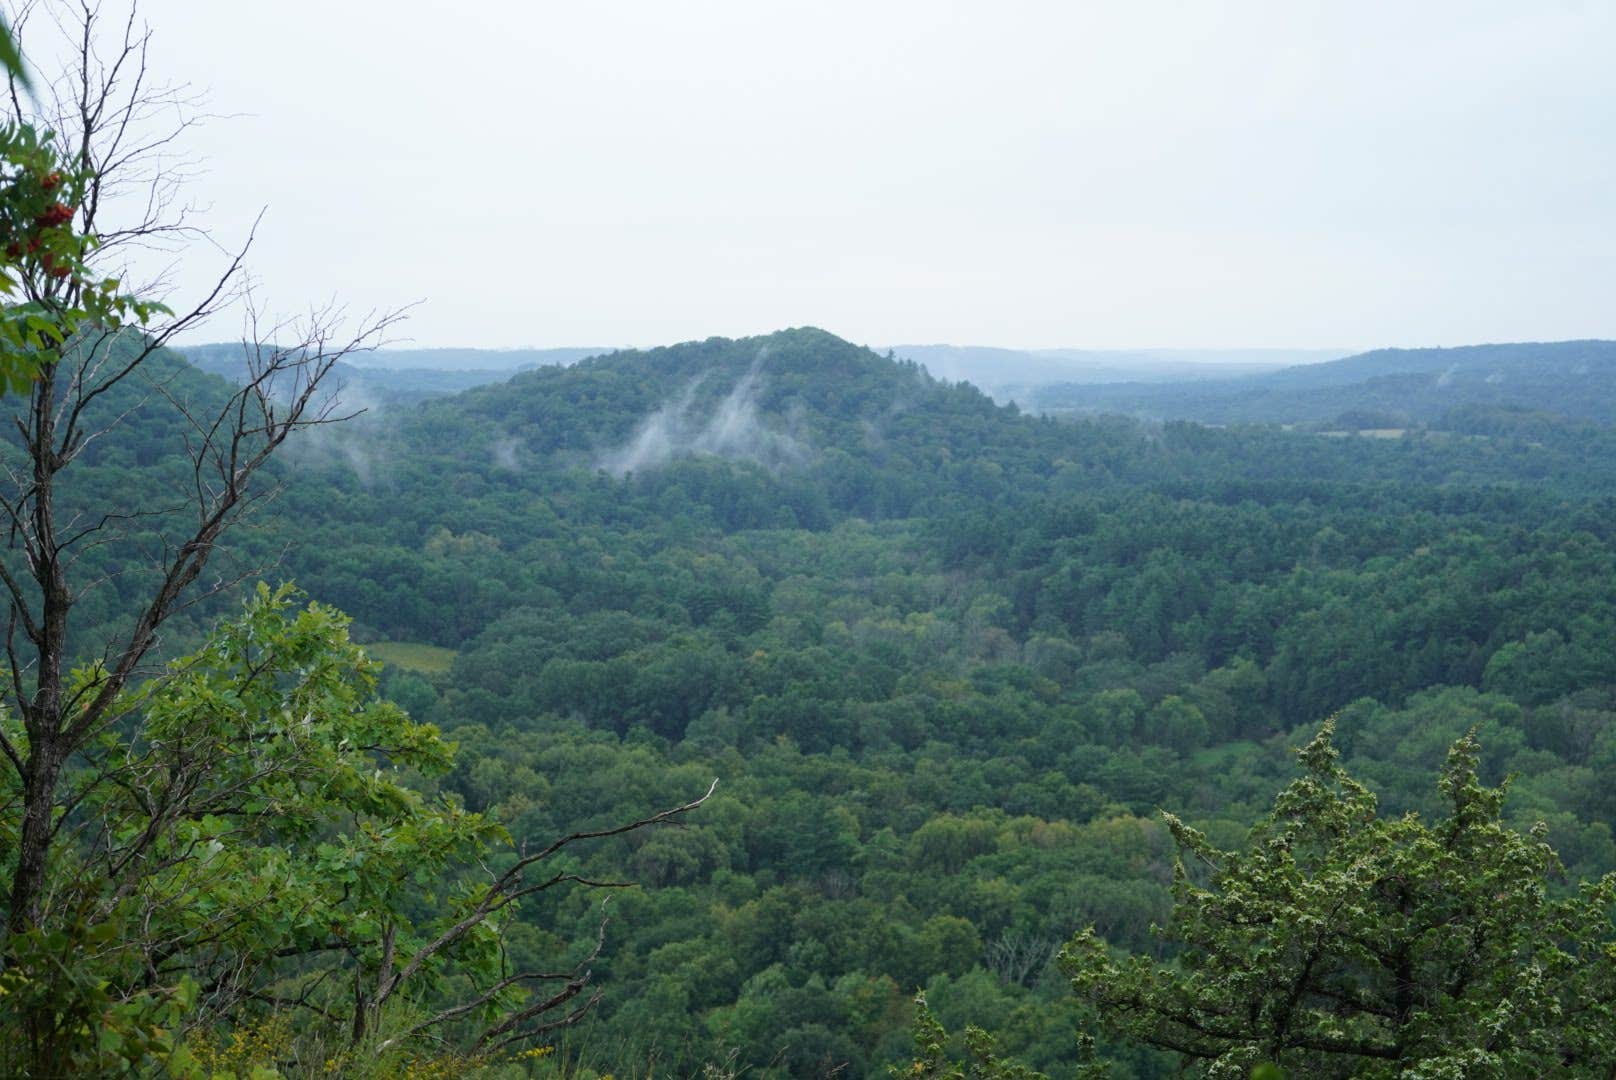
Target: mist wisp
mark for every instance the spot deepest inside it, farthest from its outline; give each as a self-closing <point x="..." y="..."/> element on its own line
<point x="735" y="429"/>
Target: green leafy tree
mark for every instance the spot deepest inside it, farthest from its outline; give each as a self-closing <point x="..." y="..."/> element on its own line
<point x="248" y="831"/>
<point x="932" y="1060"/>
<point x="251" y="838"/>
<point x="1343" y="943"/>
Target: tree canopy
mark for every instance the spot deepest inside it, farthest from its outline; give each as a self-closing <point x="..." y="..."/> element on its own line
<point x="1346" y="943"/>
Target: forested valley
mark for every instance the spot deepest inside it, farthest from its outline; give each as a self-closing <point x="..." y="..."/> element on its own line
<point x="948" y="663"/>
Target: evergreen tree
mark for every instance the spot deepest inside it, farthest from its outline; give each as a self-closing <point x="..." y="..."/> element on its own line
<point x="1345" y="943"/>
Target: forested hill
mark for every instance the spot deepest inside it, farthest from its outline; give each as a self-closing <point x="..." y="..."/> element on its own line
<point x="947" y="659"/>
<point x="772" y="398"/>
<point x="1387" y="388"/>
<point x="823" y="429"/>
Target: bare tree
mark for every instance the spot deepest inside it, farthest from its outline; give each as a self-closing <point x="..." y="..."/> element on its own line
<point x="1019" y="957"/>
<point x="106" y="113"/>
<point x="532" y="1019"/>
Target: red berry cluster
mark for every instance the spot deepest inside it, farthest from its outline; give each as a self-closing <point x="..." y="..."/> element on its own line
<point x="56" y="214"/>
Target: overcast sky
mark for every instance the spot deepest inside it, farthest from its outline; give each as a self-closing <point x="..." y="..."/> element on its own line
<point x="1035" y="174"/>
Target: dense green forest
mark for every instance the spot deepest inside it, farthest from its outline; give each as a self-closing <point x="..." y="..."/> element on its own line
<point x="947" y="661"/>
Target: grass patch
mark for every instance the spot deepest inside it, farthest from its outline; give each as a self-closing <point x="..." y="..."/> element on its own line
<point x="413" y="656"/>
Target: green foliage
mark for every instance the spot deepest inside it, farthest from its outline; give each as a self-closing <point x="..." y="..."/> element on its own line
<point x="931" y="1059"/>
<point x="11" y="57"/>
<point x="1348" y="943"/>
<point x="96" y="1029"/>
<point x="249" y="830"/>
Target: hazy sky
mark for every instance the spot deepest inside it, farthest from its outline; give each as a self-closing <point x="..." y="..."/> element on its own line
<point x="1033" y="174"/>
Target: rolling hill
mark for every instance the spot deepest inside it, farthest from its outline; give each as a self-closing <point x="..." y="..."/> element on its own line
<point x="1387" y="388"/>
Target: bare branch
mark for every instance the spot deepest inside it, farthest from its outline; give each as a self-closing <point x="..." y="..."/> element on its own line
<point x="498" y="895"/>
